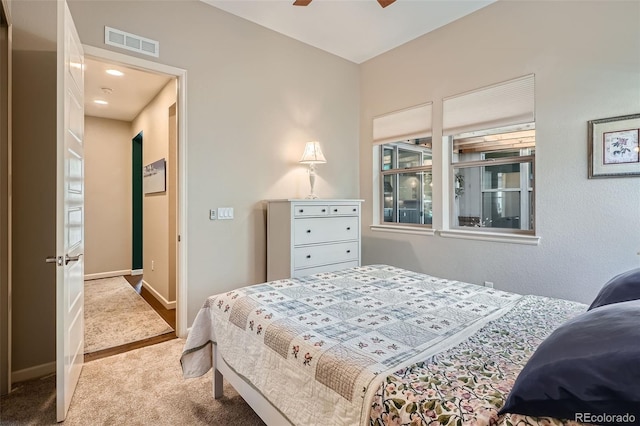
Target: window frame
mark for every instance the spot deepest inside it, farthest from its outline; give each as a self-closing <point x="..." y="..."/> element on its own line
<point x="396" y="172"/>
<point x="528" y="190"/>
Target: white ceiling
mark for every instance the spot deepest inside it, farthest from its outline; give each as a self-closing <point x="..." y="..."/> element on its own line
<point x="130" y="93"/>
<point x="356" y="30"/>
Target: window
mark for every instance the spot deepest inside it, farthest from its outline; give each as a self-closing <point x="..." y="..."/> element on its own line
<point x="490" y="134"/>
<point x="402" y="142"/>
<point x="493" y="179"/>
<point x="406" y="182"/>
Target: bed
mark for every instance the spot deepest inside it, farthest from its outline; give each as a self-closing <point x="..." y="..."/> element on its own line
<point x="373" y="345"/>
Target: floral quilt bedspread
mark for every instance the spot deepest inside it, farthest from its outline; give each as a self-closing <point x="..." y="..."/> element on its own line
<point x="318" y="347"/>
<point x="469" y="383"/>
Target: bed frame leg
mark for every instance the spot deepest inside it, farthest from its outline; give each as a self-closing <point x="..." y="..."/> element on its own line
<point x="216" y="381"/>
<point x="217" y="384"/>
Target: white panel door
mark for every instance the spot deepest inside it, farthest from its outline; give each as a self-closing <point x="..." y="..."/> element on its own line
<point x="69" y="211"/>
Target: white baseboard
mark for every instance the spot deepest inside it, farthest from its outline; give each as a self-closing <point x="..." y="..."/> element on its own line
<point x="137" y="271"/>
<point x="158" y="296"/>
<point x="109" y="274"/>
<point x="33" y="372"/>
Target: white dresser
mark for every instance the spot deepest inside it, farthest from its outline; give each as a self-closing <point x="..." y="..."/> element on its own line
<point x="309" y="236"/>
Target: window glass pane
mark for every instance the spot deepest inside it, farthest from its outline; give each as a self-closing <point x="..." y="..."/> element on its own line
<point x="408" y="159"/>
<point x="427" y="191"/>
<point x="531" y="216"/>
<point x="416" y="153"/>
<point x="414" y="198"/>
<point x="495" y="143"/>
<point x="501" y="154"/>
<point x="408" y="198"/>
<point x="426" y="145"/>
<point x="389" y="198"/>
<point x="494" y="196"/>
<point x="501" y="209"/>
<point x="501" y="177"/>
<point x="388" y="156"/>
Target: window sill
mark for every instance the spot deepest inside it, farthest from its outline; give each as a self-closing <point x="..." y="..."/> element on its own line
<point x="531" y="240"/>
<point x="399" y="229"/>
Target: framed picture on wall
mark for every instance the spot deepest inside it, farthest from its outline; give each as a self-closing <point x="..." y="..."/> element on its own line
<point x="154" y="177"/>
<point x="614" y="146"/>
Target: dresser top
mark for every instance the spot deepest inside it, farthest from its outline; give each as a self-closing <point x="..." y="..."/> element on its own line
<point x="316" y="200"/>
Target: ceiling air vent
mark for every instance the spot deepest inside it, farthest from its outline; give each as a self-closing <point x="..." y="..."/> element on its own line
<point x="132" y="42"/>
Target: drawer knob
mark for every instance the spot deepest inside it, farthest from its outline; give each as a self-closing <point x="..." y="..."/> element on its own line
<point x="355" y="210"/>
<point x="348" y="228"/>
<point x="348" y="251"/>
<point x="308" y="231"/>
<point x="324" y="210"/>
<point x="335" y="210"/>
<point x="308" y="256"/>
<point x="301" y="210"/>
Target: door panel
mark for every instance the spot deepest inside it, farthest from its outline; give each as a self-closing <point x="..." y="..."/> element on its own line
<point x="69" y="212"/>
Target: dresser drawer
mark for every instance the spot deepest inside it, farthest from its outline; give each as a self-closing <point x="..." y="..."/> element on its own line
<point x="351" y="209"/>
<point x="307" y="210"/>
<point x="306" y="257"/>
<point x="319" y="230"/>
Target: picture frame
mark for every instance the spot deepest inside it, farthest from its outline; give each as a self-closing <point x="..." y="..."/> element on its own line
<point x="154" y="177"/>
<point x="614" y="146"/>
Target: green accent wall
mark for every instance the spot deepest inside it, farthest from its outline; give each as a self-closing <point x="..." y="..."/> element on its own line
<point x="136" y="202"/>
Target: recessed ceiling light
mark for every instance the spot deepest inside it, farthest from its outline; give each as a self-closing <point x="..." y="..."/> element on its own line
<point x="115" y="72"/>
<point x="101" y="102"/>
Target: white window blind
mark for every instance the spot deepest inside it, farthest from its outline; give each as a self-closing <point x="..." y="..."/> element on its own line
<point x="410" y="123"/>
<point x="500" y="105"/>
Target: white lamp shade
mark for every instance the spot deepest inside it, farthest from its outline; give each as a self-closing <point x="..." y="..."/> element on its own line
<point x="312" y="154"/>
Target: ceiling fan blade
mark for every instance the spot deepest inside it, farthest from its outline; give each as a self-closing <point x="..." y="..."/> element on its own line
<point x="302" y="2"/>
<point x="385" y="3"/>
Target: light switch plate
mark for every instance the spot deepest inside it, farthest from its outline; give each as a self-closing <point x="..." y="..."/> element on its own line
<point x="225" y="213"/>
<point x="212" y="214"/>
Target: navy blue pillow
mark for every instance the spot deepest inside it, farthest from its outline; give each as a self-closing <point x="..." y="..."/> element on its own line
<point x="621" y="288"/>
<point x="590" y="364"/>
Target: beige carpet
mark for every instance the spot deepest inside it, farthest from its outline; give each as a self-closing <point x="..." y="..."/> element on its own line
<point x="115" y="314"/>
<point x="141" y="387"/>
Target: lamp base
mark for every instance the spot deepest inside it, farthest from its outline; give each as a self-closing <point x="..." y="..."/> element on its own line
<point x="312" y="182"/>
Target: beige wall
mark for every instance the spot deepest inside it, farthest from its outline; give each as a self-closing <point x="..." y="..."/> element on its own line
<point x="583" y="70"/>
<point x="107" y="200"/>
<point x="33" y="184"/>
<point x="153" y="122"/>
<point x="254" y="97"/>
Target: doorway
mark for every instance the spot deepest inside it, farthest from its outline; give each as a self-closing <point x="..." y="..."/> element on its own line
<point x="142" y="266"/>
<point x="5" y="207"/>
<point x="136" y="206"/>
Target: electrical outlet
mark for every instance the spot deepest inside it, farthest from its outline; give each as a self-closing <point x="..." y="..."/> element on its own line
<point x="212" y="214"/>
<point x="488" y="284"/>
